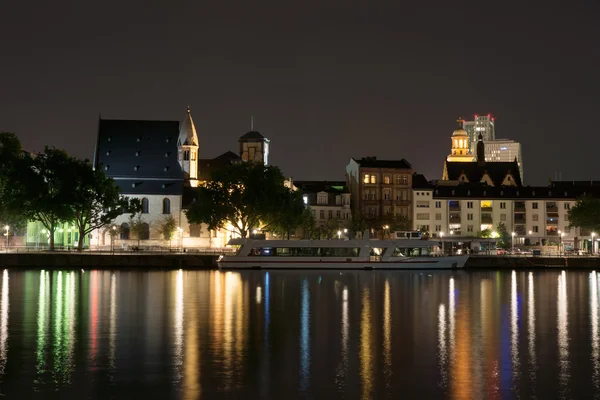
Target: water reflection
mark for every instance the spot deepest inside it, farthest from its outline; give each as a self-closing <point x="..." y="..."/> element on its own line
<point x="42" y="325"/>
<point x="178" y="324"/>
<point x="342" y="369"/>
<point x="4" y="322"/>
<point x="191" y="367"/>
<point x="451" y="314"/>
<point x="514" y="325"/>
<point x="112" y="332"/>
<point x="442" y="344"/>
<point x="305" y="337"/>
<point x="531" y="326"/>
<point x="563" y="333"/>
<point x="594" y="329"/>
<point x="366" y="352"/>
<point x="387" y="335"/>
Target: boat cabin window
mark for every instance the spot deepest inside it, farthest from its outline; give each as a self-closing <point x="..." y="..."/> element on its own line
<point x="305" y="251"/>
<point x="411" y="252"/>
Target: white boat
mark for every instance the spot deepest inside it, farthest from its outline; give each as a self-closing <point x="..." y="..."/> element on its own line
<point x="338" y="254"/>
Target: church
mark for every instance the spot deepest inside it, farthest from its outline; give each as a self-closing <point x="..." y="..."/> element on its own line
<point x="158" y="162"/>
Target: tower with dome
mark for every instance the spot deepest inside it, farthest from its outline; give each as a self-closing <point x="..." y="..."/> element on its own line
<point x="461" y="150"/>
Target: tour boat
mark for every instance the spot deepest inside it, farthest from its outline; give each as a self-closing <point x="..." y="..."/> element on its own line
<point x="340" y="254"/>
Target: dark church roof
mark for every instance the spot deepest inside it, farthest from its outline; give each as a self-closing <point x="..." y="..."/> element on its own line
<point x="420" y="182"/>
<point x="252" y="135"/>
<point x="141" y="156"/>
<point x="373" y="162"/>
<point x="474" y="171"/>
<point x="206" y="166"/>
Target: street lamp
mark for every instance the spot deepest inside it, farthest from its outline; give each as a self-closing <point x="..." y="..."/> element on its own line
<point x="561" y="246"/>
<point x="6" y="234"/>
<point x="339" y="234"/>
<point x="180" y="236"/>
<point x="112" y="238"/>
<point x="442" y="237"/>
<point x="512" y="242"/>
<point x="593" y="234"/>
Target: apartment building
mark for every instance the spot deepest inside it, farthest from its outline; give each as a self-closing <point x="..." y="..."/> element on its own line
<point x="327" y="200"/>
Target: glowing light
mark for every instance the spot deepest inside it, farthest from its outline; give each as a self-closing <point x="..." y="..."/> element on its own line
<point x="442" y="352"/>
<point x="531" y="325"/>
<point x="514" y="324"/>
<point x="4" y="305"/>
<point x="451" y="313"/>
<point x="178" y="324"/>
<point x="258" y="294"/>
<point x="387" y="335"/>
<point x="342" y="369"/>
<point x="41" y="325"/>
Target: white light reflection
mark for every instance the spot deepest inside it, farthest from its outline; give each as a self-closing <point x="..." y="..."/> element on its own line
<point x="178" y="342"/>
<point x="442" y="351"/>
<point x="342" y="370"/>
<point x="514" y="325"/>
<point x="366" y="351"/>
<point x="563" y="333"/>
<point x="112" y="335"/>
<point x="258" y="294"/>
<point x="451" y="314"/>
<point x="594" y="329"/>
<point x="305" y="337"/>
<point x="387" y="335"/>
<point x="71" y="321"/>
<point x="531" y="326"/>
<point x="4" y="322"/>
<point x="41" y="325"/>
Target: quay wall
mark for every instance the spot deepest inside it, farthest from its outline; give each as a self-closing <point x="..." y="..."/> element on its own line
<point x="499" y="262"/>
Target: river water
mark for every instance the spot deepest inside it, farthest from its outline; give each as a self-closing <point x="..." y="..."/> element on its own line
<point x="299" y="334"/>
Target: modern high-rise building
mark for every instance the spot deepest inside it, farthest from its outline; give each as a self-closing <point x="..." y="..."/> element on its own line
<point x="483" y="124"/>
<point x="504" y="150"/>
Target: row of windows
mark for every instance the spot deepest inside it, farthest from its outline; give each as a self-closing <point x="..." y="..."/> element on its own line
<point x="166" y="206"/>
<point x="387" y="179"/>
<point x="371" y="194"/>
<point x="138" y="153"/>
<point x="338" y="214"/>
<point x="139" y="139"/>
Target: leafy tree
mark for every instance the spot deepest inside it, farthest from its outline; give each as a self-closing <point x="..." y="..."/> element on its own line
<point x="242" y="196"/>
<point x="359" y="223"/>
<point x="168" y="227"/>
<point x="308" y="223"/>
<point x="486" y="233"/>
<point x="504" y="239"/>
<point x="45" y="188"/>
<point x="585" y="214"/>
<point x="11" y="162"/>
<point x="138" y="227"/>
<point x="288" y="216"/>
<point x="332" y="227"/>
<point x="96" y="200"/>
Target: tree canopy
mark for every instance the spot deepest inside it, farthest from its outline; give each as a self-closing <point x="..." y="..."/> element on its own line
<point x="585" y="214"/>
<point x="242" y="196"/>
<point x="11" y="160"/>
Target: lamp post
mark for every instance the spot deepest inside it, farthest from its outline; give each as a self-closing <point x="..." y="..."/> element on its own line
<point x="180" y="236"/>
<point x="592" y="241"/>
<point x="442" y="237"/>
<point x="339" y="235"/>
<point x="6" y="234"/>
<point x="512" y="242"/>
<point x="112" y="239"/>
<point x="385" y="228"/>
<point x="561" y="245"/>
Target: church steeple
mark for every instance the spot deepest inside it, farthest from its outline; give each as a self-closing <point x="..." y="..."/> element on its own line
<point x="187" y="144"/>
<point x="460" y="145"/>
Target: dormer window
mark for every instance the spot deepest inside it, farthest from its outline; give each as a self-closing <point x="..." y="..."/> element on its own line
<point x="137" y="153"/>
<point x="136" y="167"/>
<point x="167" y="154"/>
<point x="168" y="140"/>
<point x="139" y="138"/>
<point x="106" y="167"/>
<point x="322" y="198"/>
<point x="166" y="169"/>
<point x="108" y="153"/>
<point x="108" y="139"/>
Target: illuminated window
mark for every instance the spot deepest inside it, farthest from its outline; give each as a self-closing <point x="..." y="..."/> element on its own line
<point x="373" y="178"/>
<point x="193" y="156"/>
<point x="366" y="178"/>
<point x="387" y="179"/>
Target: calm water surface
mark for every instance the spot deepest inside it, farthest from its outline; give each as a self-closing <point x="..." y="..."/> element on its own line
<point x="299" y="334"/>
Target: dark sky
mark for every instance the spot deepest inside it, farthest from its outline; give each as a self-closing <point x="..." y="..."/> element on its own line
<point x="325" y="80"/>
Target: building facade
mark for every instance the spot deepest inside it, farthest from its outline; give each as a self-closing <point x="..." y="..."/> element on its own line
<point x="380" y="187"/>
<point x="327" y="200"/>
<point x="484" y="125"/>
<point x="504" y="150"/>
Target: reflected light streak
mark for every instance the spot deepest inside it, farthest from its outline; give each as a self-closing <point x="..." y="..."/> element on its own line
<point x="594" y="329"/>
<point x="178" y="324"/>
<point x="191" y="367"/>
<point x="267" y="308"/>
<point x="442" y="352"/>
<point x="305" y="337"/>
<point x="342" y="370"/>
<point x="58" y="331"/>
<point x="70" y="324"/>
<point x="462" y="379"/>
<point x="112" y="334"/>
<point x="531" y="326"/>
<point x="258" y="294"/>
<point x="41" y="324"/>
<point x="563" y="333"/>
<point x="387" y="335"/>
<point x="4" y="321"/>
<point x="366" y="355"/>
<point x="514" y="325"/>
<point x="94" y="316"/>
<point x="451" y="314"/>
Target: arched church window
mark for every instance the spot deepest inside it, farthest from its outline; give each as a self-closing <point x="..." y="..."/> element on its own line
<point x="460" y="144"/>
<point x="124" y="231"/>
<point x="145" y="232"/>
<point x="145" y="206"/>
<point x="166" y="206"/>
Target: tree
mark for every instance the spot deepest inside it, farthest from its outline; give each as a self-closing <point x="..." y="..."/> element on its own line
<point x="139" y="228"/>
<point x="308" y="223"/>
<point x="359" y="223"/>
<point x="45" y="188"/>
<point x="168" y="227"/>
<point x="96" y="200"/>
<point x="11" y="162"/>
<point x="288" y="216"/>
<point x="503" y="237"/>
<point x="486" y="233"/>
<point x="585" y="214"/>
<point x="239" y="197"/>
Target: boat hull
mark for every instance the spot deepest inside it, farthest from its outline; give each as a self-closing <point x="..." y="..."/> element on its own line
<point x="453" y="262"/>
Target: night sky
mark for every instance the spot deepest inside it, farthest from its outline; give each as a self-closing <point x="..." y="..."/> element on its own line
<point x="325" y="80"/>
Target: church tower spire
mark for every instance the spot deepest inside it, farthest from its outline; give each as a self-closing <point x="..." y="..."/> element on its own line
<point x="187" y="145"/>
<point x="460" y="145"/>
